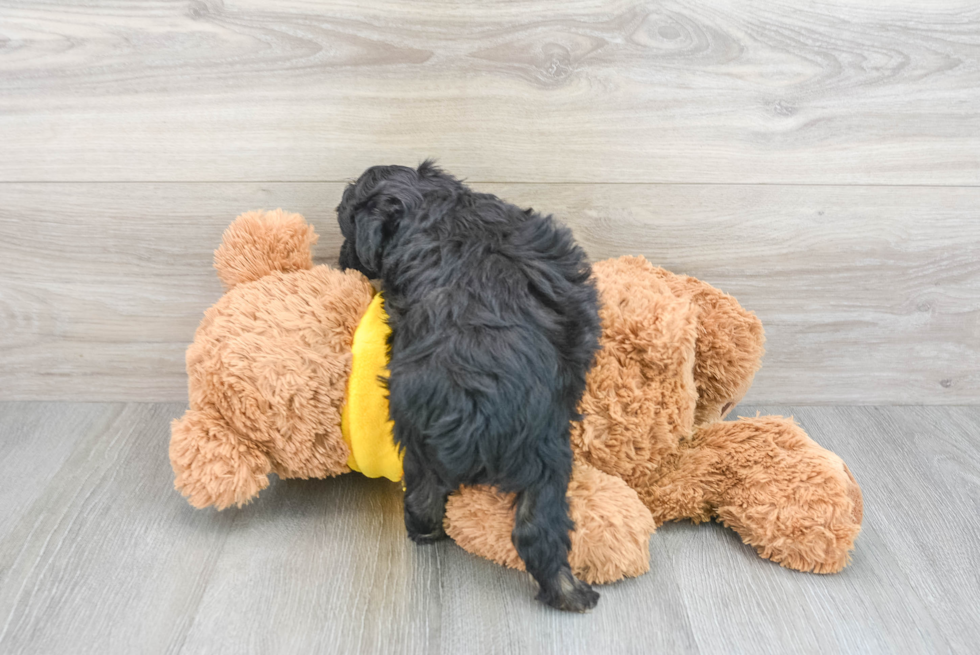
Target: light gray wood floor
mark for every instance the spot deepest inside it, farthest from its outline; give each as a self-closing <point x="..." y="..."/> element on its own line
<point x="99" y="554"/>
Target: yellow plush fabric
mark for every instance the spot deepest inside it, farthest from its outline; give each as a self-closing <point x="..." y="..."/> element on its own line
<point x="364" y="422"/>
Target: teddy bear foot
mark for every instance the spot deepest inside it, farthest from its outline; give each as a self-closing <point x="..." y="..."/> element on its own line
<point x="854" y="493"/>
<point x="612" y="526"/>
<point x="796" y="503"/>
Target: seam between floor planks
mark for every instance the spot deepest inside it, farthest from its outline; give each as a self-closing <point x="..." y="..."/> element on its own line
<point x="112" y="539"/>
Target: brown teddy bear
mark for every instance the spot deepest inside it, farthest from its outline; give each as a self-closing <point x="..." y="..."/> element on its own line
<point x="272" y="373"/>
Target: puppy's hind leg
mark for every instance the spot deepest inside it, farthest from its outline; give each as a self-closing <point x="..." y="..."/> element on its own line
<point x="425" y="500"/>
<point x="541" y="526"/>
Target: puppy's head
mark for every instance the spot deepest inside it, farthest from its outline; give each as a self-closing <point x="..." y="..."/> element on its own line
<point x="371" y="210"/>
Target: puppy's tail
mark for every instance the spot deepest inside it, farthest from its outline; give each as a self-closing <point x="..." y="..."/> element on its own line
<point x="259" y="243"/>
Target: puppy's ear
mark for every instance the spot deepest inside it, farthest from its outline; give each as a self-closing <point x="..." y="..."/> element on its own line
<point x="369" y="227"/>
<point x="374" y="225"/>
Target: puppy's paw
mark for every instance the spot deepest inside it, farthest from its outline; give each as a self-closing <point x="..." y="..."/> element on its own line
<point x="428" y="537"/>
<point x="569" y="594"/>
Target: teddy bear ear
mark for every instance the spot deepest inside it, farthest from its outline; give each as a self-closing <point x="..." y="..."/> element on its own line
<point x="258" y="243"/>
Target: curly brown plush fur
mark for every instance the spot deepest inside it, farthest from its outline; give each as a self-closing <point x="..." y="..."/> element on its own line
<point x="268" y="371"/>
<point x="612" y="530"/>
<point x="268" y="367"/>
<point x="676" y="355"/>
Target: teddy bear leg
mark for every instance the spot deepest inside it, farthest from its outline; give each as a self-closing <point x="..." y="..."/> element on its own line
<point x="793" y="501"/>
<point x="610" y="540"/>
<point x="213" y="465"/>
<point x="729" y="347"/>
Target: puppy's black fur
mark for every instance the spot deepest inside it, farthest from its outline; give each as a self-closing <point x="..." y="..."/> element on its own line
<point x="494" y="325"/>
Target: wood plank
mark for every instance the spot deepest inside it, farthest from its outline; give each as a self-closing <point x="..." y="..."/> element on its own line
<point x="868" y="294"/>
<point x="322" y="566"/>
<point x="327" y="567"/>
<point x="919" y="469"/>
<point x="793" y="92"/>
<point x="37" y="439"/>
<point x="102" y="286"/>
<point x="110" y="558"/>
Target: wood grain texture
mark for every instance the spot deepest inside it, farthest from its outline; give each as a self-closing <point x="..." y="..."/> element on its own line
<point x="106" y="557"/>
<point x="25" y="468"/>
<point x="770" y="92"/>
<point x="868" y="294"/>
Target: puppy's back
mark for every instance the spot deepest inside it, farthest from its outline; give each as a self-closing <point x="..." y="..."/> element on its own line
<point x="493" y="336"/>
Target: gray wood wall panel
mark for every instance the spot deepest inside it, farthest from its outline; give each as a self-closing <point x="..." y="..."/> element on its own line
<point x="713" y="91"/>
<point x="107" y="558"/>
<point x="869" y="294"/>
<point x="820" y="160"/>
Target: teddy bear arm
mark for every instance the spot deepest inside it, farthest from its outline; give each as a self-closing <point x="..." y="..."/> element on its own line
<point x="212" y="464"/>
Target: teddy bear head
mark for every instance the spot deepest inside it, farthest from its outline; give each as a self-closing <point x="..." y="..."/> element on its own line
<point x="268" y="368"/>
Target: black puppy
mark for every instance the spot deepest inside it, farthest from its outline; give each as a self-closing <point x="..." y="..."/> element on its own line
<point x="494" y="323"/>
